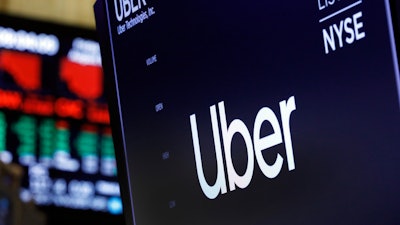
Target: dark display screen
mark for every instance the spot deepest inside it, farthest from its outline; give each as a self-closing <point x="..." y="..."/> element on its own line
<point x="54" y="119"/>
<point x="254" y="112"/>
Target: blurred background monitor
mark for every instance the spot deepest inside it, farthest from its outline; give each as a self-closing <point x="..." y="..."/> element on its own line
<point x="54" y="121"/>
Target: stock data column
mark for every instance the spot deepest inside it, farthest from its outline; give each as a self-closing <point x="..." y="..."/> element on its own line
<point x="170" y="57"/>
<point x="164" y="62"/>
<point x="145" y="82"/>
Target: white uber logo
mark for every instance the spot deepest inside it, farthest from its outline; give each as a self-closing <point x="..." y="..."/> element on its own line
<point x="255" y="145"/>
<point x="127" y="7"/>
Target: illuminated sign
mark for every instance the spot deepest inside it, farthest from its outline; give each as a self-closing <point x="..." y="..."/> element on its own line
<point x="21" y="40"/>
<point x="54" y="120"/>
